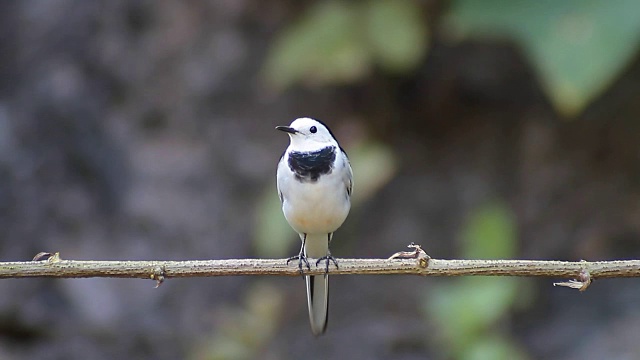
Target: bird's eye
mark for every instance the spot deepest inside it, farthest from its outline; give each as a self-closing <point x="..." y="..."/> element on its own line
<point x="313" y="129"/>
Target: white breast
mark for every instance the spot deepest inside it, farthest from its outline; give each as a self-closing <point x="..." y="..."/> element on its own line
<point x="314" y="207"/>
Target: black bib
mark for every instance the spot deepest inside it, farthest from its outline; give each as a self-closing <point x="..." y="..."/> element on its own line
<point x="309" y="166"/>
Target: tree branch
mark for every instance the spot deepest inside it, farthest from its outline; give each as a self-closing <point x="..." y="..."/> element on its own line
<point x="418" y="264"/>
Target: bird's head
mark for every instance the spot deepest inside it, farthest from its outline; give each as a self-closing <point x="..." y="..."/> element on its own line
<point x="307" y="134"/>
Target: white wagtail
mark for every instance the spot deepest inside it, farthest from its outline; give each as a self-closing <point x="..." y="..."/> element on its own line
<point x="314" y="183"/>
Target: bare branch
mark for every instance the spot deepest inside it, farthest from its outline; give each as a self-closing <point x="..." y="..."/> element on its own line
<point x="416" y="264"/>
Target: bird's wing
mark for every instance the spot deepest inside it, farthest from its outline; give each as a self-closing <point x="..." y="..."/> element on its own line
<point x="280" y="177"/>
<point x="348" y="177"/>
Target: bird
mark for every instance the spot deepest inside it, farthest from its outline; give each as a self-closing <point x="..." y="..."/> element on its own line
<point x="314" y="180"/>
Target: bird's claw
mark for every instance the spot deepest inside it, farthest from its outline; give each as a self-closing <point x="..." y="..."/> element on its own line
<point x="327" y="259"/>
<point x="301" y="259"/>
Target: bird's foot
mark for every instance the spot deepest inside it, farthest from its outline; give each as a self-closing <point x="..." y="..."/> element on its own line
<point x="302" y="259"/>
<point x="328" y="258"/>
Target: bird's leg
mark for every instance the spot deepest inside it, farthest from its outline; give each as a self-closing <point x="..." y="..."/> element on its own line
<point x="328" y="257"/>
<point x="301" y="257"/>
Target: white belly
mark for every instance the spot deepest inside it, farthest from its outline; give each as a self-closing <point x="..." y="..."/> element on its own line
<point x="316" y="208"/>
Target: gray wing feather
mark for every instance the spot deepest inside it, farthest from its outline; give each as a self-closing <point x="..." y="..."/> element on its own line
<point x="348" y="177"/>
<point x="280" y="177"/>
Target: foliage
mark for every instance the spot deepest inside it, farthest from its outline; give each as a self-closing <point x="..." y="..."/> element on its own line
<point x="338" y="42"/>
<point x="245" y="329"/>
<point x="467" y="310"/>
<point x="273" y="236"/>
<point x="490" y="233"/>
<point x="578" y="47"/>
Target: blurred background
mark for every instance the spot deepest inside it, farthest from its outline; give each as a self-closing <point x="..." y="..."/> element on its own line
<point x="144" y="130"/>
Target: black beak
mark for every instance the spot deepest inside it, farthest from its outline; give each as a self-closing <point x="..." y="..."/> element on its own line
<point x="287" y="129"/>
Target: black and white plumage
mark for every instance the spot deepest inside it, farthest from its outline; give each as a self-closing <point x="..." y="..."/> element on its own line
<point x="314" y="183"/>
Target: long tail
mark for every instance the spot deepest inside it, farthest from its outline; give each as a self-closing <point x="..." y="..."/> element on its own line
<point x="316" y="246"/>
<point x="318" y="301"/>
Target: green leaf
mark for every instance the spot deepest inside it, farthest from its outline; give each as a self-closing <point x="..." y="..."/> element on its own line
<point x="466" y="308"/>
<point x="273" y="235"/>
<point x="374" y="165"/>
<point x="490" y="233"/>
<point x="244" y="328"/>
<point x="493" y="347"/>
<point x="577" y="46"/>
<point x="338" y="42"/>
<point x="397" y="33"/>
<point x="323" y="47"/>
